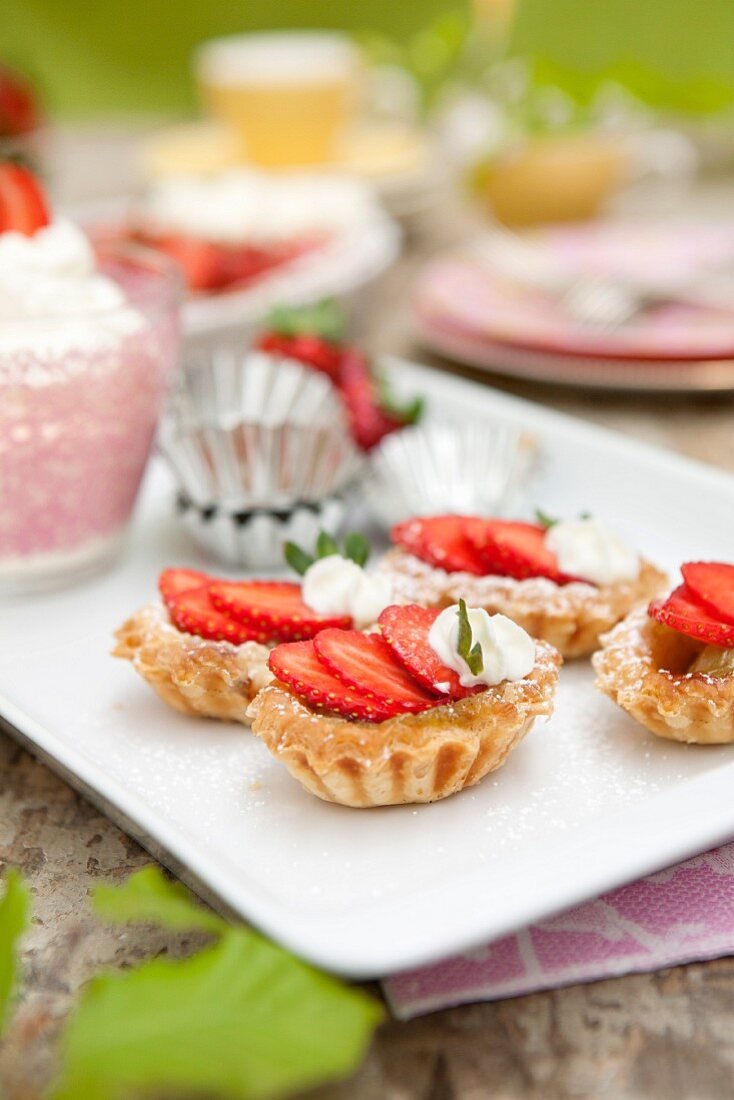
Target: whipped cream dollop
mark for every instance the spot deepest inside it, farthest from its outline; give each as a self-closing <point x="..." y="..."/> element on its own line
<point x="338" y="586"/>
<point x="51" y="278"/>
<point x="52" y="274"/>
<point x="585" y="548"/>
<point x="508" y="652"/>
<point x="238" y="206"/>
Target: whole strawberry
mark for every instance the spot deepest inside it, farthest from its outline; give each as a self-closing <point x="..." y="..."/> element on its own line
<point x="311" y="334"/>
<point x="314" y="335"/>
<point x="19" y="110"/>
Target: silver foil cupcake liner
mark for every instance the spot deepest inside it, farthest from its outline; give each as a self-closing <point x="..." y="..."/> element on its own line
<point x="442" y="466"/>
<point x="260" y="451"/>
<point x="254" y="538"/>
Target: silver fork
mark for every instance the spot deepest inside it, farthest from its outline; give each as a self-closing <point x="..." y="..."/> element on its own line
<point x="603" y="304"/>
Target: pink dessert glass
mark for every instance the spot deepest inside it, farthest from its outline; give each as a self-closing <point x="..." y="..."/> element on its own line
<point x="80" y="398"/>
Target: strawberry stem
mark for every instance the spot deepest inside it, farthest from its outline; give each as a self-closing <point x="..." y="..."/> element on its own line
<point x="408" y="413"/>
<point x="325" y="319"/>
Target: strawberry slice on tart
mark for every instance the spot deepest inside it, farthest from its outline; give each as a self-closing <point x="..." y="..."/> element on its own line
<point x="671" y="665"/>
<point x="405" y="629"/>
<point x="356" y="658"/>
<point x="354" y="724"/>
<point x="276" y="608"/>
<point x="205" y="647"/>
<point x="712" y="584"/>
<point x="564" y="581"/>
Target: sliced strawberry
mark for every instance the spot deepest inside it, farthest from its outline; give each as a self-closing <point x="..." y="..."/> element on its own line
<point x="366" y="663"/>
<point x="194" y="613"/>
<point x="23" y="206"/>
<point x="405" y="629"/>
<point x="682" y="612"/>
<point x="441" y="541"/>
<point x="200" y="261"/>
<point x="172" y="582"/>
<point x="297" y="665"/>
<point x="516" y="550"/>
<point x="313" y="351"/>
<point x="272" y="606"/>
<point x="713" y="584"/>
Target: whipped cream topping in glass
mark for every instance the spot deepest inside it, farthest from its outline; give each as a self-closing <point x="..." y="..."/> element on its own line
<point x="585" y="548"/>
<point x="338" y="586"/>
<point x="240" y="206"/>
<point x="53" y="273"/>
<point x="52" y="277"/>
<point x="508" y="652"/>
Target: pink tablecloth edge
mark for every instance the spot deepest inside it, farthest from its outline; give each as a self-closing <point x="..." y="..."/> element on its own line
<point x="480" y="993"/>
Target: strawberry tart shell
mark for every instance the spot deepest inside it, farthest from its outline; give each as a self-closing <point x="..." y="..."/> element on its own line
<point x="570" y="616"/>
<point x="193" y="675"/>
<point x="642" y="666"/>
<point x="412" y="758"/>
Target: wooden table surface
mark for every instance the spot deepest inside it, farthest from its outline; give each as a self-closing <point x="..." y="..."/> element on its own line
<point x="663" y="1036"/>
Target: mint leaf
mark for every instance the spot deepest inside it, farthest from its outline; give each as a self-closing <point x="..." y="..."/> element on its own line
<point x="241" y="1019"/>
<point x="471" y="654"/>
<point x="14" y="915"/>
<point x="148" y="897"/>
<point x="297" y="558"/>
<point x="544" y="519"/>
<point x="356" y="548"/>
<point x="325" y="545"/>
<point x="324" y="319"/>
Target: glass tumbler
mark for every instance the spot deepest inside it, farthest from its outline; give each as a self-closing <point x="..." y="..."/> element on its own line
<point x="80" y="398"/>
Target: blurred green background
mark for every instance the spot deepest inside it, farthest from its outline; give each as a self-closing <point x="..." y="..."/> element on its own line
<point x="132" y="55"/>
<point x="101" y="56"/>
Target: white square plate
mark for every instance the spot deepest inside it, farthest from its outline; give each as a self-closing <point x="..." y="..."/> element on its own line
<point x="588" y="801"/>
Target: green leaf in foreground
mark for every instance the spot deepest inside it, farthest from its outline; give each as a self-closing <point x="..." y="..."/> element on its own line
<point x="149" y="897"/>
<point x="14" y="914"/>
<point x="241" y="1019"/>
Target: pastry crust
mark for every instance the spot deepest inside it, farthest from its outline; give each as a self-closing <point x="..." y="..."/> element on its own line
<point x="411" y="758"/>
<point x="642" y="666"/>
<point x="571" y="616"/>
<point x="192" y="674"/>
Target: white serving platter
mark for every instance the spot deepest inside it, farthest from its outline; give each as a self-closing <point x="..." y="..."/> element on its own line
<point x="588" y="801"/>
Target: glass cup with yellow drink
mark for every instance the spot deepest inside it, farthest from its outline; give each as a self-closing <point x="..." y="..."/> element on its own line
<point x="288" y="97"/>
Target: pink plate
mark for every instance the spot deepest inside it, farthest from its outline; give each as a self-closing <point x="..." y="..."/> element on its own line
<point x="461" y="293"/>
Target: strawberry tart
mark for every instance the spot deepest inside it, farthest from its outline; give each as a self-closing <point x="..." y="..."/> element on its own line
<point x="564" y="581"/>
<point x="671" y="665"/>
<point x="427" y="705"/>
<point x="204" y="646"/>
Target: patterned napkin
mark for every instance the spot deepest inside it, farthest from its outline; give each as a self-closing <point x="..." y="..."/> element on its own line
<point x="680" y="915"/>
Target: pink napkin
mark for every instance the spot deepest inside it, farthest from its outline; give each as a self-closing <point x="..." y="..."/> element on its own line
<point x="680" y="915"/>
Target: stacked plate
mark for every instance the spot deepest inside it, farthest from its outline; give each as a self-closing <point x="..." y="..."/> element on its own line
<point x="620" y="305"/>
